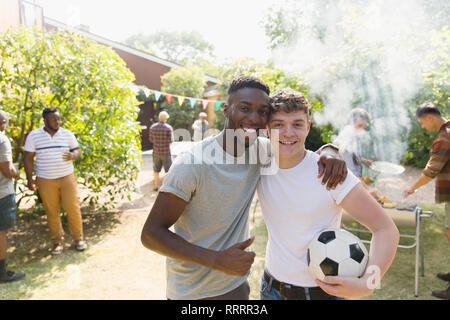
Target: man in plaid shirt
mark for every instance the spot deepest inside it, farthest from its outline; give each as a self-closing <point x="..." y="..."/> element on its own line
<point x="161" y="136"/>
<point x="438" y="166"/>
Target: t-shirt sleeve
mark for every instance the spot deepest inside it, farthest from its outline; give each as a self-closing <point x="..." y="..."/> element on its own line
<point x="73" y="143"/>
<point x="5" y="150"/>
<point x="30" y="146"/>
<point x="183" y="178"/>
<point x="343" y="189"/>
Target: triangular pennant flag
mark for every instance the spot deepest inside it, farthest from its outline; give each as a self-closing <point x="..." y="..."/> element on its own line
<point x="218" y="104"/>
<point x="157" y="95"/>
<point x="180" y="100"/>
<point x="205" y="104"/>
<point x="168" y="98"/>
<point x="193" y="101"/>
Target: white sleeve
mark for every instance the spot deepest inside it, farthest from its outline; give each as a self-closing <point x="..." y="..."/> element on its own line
<point x="73" y="143"/>
<point x="5" y="150"/>
<point x="196" y="125"/>
<point x="343" y="189"/>
<point x="30" y="145"/>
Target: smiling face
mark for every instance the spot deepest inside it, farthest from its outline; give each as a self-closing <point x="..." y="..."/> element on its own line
<point x="288" y="132"/>
<point x="247" y="112"/>
<point x="52" y="122"/>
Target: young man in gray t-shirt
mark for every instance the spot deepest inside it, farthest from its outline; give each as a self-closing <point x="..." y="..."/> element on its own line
<point x="207" y="200"/>
<point x="8" y="206"/>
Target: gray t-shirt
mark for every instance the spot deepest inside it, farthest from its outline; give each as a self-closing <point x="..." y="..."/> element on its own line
<point x="219" y="197"/>
<point x="6" y="184"/>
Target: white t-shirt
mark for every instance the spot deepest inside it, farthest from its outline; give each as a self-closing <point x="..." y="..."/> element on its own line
<point x="296" y="207"/>
<point x="49" y="151"/>
<point x="199" y="126"/>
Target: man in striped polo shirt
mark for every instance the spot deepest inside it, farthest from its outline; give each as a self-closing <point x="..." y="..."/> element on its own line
<point x="438" y="167"/>
<point x="55" y="148"/>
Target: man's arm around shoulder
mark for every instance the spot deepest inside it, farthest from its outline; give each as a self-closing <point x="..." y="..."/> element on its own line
<point x="331" y="166"/>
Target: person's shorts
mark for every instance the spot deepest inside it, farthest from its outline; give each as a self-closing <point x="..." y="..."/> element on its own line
<point x="8" y="210"/>
<point x="160" y="161"/>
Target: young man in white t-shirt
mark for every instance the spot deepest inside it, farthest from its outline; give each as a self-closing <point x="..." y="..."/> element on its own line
<point x="296" y="207"/>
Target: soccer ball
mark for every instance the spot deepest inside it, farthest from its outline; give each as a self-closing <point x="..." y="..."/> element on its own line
<point x="336" y="252"/>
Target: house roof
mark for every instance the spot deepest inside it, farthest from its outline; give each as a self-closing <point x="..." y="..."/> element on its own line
<point x="120" y="46"/>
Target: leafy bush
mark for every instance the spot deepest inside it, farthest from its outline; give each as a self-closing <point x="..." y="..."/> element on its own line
<point x="436" y="88"/>
<point x="91" y="87"/>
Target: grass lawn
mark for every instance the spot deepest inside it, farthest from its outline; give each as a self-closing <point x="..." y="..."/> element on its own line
<point x="398" y="283"/>
<point x="115" y="250"/>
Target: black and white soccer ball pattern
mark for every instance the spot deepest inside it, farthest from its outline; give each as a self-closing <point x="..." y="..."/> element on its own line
<point x="337" y="252"/>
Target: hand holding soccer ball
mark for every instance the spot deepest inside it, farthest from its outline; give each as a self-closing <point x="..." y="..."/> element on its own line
<point x="338" y="259"/>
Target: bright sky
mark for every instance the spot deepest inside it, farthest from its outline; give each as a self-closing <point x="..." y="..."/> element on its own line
<point x="232" y="26"/>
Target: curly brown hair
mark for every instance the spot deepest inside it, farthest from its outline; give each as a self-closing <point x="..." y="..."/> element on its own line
<point x="289" y="100"/>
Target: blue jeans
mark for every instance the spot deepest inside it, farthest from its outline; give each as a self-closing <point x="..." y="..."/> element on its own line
<point x="8" y="209"/>
<point x="268" y="293"/>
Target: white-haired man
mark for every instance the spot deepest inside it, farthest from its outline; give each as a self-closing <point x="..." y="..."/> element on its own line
<point x="161" y="136"/>
<point x="200" y="127"/>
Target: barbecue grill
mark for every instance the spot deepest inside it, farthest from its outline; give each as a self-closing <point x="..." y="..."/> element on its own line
<point x="406" y="217"/>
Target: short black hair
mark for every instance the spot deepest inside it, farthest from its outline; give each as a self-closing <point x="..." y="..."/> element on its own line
<point x="242" y="82"/>
<point x="48" y="111"/>
<point x="427" y="108"/>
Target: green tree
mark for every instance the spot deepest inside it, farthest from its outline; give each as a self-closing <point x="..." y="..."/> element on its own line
<point x="91" y="87"/>
<point x="435" y="88"/>
<point x="275" y="79"/>
<point x="186" y="82"/>
<point x="353" y="58"/>
<point x="183" y="47"/>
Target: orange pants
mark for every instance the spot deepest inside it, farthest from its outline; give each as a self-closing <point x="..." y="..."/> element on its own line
<point x="55" y="192"/>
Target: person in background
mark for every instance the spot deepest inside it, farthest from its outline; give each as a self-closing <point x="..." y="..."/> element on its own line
<point x="438" y="166"/>
<point x="351" y="140"/>
<point x="8" y="207"/>
<point x="200" y="127"/>
<point x="161" y="136"/>
<point x="55" y="148"/>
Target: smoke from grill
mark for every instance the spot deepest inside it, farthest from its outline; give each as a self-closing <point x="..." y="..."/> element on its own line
<point x="369" y="54"/>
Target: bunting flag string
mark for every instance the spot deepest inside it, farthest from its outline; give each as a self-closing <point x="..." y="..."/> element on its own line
<point x="193" y="102"/>
<point x="168" y="98"/>
<point x="180" y="99"/>
<point x="205" y="104"/>
<point x="157" y="95"/>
